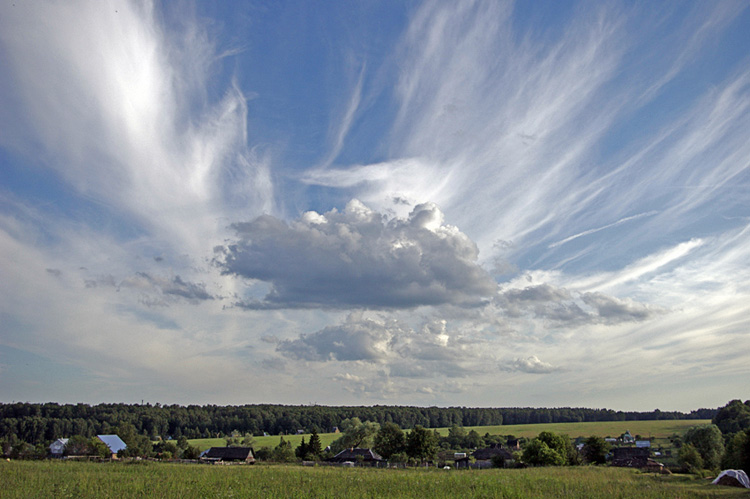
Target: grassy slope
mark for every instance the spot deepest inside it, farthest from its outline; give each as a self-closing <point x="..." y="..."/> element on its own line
<point x="656" y="429"/>
<point x="22" y="479"/>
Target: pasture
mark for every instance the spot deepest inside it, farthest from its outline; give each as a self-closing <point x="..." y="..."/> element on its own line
<point x="660" y="430"/>
<point x="25" y="479"/>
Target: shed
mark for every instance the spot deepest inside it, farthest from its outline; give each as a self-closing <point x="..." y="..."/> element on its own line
<point x="630" y="457"/>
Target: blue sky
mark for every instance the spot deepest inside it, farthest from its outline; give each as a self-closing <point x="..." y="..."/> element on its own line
<point x="438" y="203"/>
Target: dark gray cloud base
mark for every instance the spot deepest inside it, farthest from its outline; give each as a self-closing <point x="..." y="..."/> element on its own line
<point x="358" y="258"/>
<point x="565" y="307"/>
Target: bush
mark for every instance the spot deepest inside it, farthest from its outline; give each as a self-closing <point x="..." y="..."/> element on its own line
<point x="690" y="458"/>
<point x="709" y="443"/>
<point x="595" y="450"/>
<point x="538" y="453"/>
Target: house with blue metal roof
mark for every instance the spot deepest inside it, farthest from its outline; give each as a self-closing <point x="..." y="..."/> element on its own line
<point x="114" y="443"/>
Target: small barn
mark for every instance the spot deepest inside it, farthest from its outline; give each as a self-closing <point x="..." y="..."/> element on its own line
<point x="229" y="454"/>
<point x="630" y="457"/>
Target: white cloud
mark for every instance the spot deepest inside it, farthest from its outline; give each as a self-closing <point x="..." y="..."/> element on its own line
<point x="356" y="339"/>
<point x="358" y="258"/>
<point x="530" y="365"/>
<point x="128" y="119"/>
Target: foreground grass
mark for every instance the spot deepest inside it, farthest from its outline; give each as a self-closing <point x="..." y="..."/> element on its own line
<point x="148" y="479"/>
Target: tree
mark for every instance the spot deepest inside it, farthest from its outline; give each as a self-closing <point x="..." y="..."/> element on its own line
<point x="595" y="450"/>
<point x="389" y="440"/>
<point x="167" y="450"/>
<point x="77" y="445"/>
<point x="283" y="452"/>
<point x="561" y="444"/>
<point x="264" y="454"/>
<point x="301" y="450"/>
<point x="538" y="453"/>
<point x="98" y="448"/>
<point x="456" y="436"/>
<point x="191" y="452"/>
<point x="690" y="458"/>
<point x="138" y="445"/>
<point x="248" y="440"/>
<point x="355" y="434"/>
<point x="314" y="447"/>
<point x="473" y="440"/>
<point x="709" y="443"/>
<point x="737" y="455"/>
<point x="421" y="444"/>
<point x="183" y="443"/>
<point x="733" y="417"/>
<point x="549" y="449"/>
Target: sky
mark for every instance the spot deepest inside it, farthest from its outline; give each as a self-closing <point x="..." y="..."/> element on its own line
<point x="489" y="204"/>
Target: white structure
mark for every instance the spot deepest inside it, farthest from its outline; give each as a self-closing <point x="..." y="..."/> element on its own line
<point x="57" y="447"/>
<point x="728" y="476"/>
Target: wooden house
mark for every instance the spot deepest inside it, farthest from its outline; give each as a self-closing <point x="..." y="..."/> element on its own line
<point x="229" y="454"/>
<point x="355" y="454"/>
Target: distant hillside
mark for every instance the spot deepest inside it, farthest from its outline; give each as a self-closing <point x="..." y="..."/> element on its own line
<point x="39" y="423"/>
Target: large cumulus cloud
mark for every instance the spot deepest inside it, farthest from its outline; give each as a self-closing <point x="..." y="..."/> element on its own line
<point x="357" y="258"/>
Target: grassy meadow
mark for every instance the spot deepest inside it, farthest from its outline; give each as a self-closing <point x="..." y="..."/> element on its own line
<point x="30" y="479"/>
<point x="660" y="430"/>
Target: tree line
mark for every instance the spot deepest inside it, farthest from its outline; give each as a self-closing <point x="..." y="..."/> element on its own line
<point x="38" y="423"/>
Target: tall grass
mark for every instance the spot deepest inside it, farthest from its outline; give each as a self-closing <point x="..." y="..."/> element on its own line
<point x="25" y="479"/>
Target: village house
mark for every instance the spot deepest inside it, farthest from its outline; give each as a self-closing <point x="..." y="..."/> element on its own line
<point x="229" y="454"/>
<point x="57" y="447"/>
<point x="483" y="458"/>
<point x="357" y="455"/>
<point x="630" y="457"/>
<point x="113" y="443"/>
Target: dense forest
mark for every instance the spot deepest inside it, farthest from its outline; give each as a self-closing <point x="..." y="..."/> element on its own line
<point x="40" y="423"/>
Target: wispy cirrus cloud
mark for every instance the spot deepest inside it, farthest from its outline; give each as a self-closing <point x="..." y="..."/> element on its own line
<point x="128" y="120"/>
<point x="525" y="126"/>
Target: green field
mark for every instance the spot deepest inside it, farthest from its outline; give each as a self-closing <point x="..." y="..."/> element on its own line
<point x="272" y="441"/>
<point x="657" y="429"/>
<point x="30" y="479"/>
